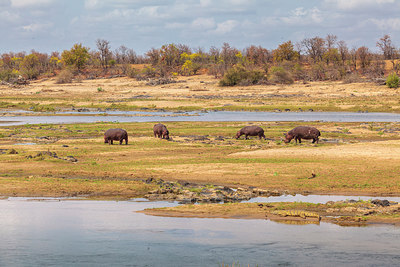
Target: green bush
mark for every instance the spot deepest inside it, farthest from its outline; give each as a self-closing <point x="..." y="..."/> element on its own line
<point x="238" y="75"/>
<point x="65" y="76"/>
<point x="8" y="75"/>
<point x="392" y="80"/>
<point x="280" y="75"/>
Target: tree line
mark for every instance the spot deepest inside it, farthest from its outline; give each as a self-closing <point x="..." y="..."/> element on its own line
<point x="312" y="59"/>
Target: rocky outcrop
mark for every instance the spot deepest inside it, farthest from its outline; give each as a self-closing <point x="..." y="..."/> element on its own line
<point x="185" y="192"/>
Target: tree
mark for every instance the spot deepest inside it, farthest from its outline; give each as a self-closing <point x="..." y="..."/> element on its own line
<point x="332" y="56"/>
<point x="315" y="47"/>
<point x="30" y="66"/>
<point x="77" y="56"/>
<point x="385" y="44"/>
<point x="258" y="55"/>
<point x="285" y="51"/>
<point x="364" y="56"/>
<point x="330" y="41"/>
<point x="104" y="52"/>
<point x="343" y="51"/>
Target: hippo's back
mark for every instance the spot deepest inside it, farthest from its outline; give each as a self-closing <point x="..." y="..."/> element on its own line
<point x="115" y="132"/>
<point x="305" y="132"/>
<point x="252" y="130"/>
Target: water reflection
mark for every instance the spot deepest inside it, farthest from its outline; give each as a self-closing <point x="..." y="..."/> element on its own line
<point x="109" y="233"/>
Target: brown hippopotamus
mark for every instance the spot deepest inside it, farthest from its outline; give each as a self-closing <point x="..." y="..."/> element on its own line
<point x="161" y="131"/>
<point x="251" y="131"/>
<point x="117" y="135"/>
<point x="304" y="132"/>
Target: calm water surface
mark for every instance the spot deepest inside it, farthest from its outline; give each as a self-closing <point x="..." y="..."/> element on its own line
<point x="108" y="233"/>
<point x="136" y="116"/>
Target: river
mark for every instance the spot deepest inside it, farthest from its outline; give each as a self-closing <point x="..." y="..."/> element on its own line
<point x="23" y="117"/>
<point x="111" y="233"/>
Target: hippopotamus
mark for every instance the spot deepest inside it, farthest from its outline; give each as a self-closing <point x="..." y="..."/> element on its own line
<point x="161" y="131"/>
<point x="304" y="132"/>
<point x="117" y="135"/>
<point x="251" y="131"/>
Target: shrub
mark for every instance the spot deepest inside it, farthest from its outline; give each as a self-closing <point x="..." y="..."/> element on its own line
<point x="65" y="76"/>
<point x="392" y="80"/>
<point x="8" y="75"/>
<point x="280" y="75"/>
<point x="353" y="78"/>
<point x="238" y="75"/>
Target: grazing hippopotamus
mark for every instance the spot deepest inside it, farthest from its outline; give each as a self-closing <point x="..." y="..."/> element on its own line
<point x="160" y="131"/>
<point x="117" y="135"/>
<point x="304" y="132"/>
<point x="251" y="131"/>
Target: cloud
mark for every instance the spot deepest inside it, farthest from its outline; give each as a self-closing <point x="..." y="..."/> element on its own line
<point x="297" y="17"/>
<point x="387" y="24"/>
<point x="30" y="3"/>
<point x="8" y="16"/>
<point x="203" y="23"/>
<point x="91" y="4"/>
<point x="226" y="27"/>
<point x="353" y="4"/>
<point x="36" y="27"/>
<point x="5" y="3"/>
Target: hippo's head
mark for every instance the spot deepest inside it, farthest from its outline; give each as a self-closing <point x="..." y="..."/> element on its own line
<point x="238" y="134"/>
<point x="166" y="134"/>
<point x="288" y="138"/>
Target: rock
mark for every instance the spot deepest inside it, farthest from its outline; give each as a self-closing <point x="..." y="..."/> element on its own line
<point x="348" y="209"/>
<point x="71" y="158"/>
<point x="332" y="210"/>
<point x="382" y="203"/>
<point x="12" y="151"/>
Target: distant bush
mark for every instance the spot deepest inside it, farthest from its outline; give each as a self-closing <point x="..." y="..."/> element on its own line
<point x="353" y="78"/>
<point x="392" y="80"/>
<point x="280" y="75"/>
<point x="238" y="75"/>
<point x="65" y="76"/>
<point x="8" y="75"/>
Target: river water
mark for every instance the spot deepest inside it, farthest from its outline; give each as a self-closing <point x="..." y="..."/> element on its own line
<point x="110" y="233"/>
<point x="23" y="117"/>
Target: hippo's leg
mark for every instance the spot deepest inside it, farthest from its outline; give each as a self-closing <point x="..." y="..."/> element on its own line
<point x="299" y="140"/>
<point x="110" y="142"/>
<point x="120" y="141"/>
<point x="246" y="136"/>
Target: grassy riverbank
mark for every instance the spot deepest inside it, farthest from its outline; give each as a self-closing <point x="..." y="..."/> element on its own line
<point x="199" y="92"/>
<point x="352" y="158"/>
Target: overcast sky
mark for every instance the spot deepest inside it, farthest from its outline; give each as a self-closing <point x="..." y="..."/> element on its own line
<point x="55" y="25"/>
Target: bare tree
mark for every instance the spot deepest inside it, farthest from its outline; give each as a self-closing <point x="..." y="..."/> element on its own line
<point x="315" y="47"/>
<point x="385" y="44"/>
<point x="330" y="41"/>
<point x="364" y="56"/>
<point x="343" y="51"/>
<point x="105" y="53"/>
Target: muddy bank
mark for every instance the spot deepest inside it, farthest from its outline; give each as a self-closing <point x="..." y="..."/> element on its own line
<point x="344" y="213"/>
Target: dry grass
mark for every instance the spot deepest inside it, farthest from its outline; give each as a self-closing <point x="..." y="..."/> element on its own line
<point x="202" y="91"/>
<point x="364" y="161"/>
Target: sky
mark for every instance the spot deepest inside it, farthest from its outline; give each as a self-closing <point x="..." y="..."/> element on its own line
<point x="55" y="25"/>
